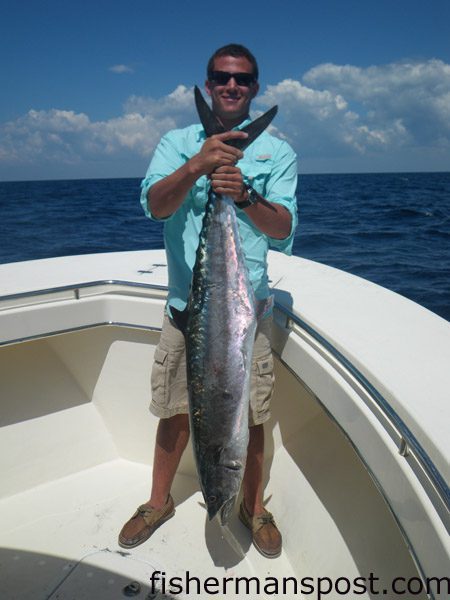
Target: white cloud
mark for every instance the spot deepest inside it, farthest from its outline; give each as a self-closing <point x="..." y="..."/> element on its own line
<point x="320" y="121"/>
<point x="120" y="69"/>
<point x="382" y="114"/>
<point x="412" y="95"/>
<point x="179" y="103"/>
<point x="43" y="136"/>
<point x="320" y="104"/>
<point x="343" y="110"/>
<point x="71" y="138"/>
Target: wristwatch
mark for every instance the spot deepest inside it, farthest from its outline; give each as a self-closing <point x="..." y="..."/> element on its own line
<point x="252" y="197"/>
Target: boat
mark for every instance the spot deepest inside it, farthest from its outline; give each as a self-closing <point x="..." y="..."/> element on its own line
<point x="357" y="457"/>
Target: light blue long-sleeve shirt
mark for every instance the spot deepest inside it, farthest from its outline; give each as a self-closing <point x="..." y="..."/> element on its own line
<point x="269" y="165"/>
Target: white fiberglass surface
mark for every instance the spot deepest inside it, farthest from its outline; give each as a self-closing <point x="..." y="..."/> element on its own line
<point x="61" y="538"/>
<point x="76" y="447"/>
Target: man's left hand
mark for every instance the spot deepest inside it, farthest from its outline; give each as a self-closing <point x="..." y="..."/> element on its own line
<point x="228" y="181"/>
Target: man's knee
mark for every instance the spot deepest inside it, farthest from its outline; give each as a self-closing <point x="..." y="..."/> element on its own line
<point x="173" y="431"/>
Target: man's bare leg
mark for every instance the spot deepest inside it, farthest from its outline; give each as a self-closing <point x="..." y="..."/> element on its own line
<point x="171" y="440"/>
<point x="265" y="534"/>
<point x="253" y="475"/>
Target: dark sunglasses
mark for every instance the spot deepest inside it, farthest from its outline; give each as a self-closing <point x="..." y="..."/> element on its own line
<point x="223" y="77"/>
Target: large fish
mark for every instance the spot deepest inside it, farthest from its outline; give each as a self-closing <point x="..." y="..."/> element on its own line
<point x="219" y="325"/>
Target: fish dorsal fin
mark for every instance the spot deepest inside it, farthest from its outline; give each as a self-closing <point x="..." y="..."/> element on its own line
<point x="264" y="307"/>
<point x="180" y="318"/>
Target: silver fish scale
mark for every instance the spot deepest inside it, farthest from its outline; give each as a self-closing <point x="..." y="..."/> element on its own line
<point x="219" y="340"/>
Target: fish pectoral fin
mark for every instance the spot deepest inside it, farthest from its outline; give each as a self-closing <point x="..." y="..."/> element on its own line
<point x="180" y="317"/>
<point x="218" y="455"/>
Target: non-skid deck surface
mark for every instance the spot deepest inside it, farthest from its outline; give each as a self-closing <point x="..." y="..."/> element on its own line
<point x="59" y="541"/>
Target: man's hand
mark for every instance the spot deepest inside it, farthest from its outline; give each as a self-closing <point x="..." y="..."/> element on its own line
<point x="168" y="194"/>
<point x="228" y="182"/>
<point x="215" y="153"/>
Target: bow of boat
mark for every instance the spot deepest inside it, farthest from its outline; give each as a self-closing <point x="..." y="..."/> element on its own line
<point x="357" y="465"/>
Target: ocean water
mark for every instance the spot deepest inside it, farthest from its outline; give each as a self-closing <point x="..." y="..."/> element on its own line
<point x="393" y="229"/>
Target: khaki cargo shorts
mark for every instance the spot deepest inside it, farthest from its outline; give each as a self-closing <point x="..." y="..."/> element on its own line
<point x="169" y="384"/>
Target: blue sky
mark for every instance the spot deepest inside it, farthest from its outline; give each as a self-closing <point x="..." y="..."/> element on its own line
<point x="88" y="89"/>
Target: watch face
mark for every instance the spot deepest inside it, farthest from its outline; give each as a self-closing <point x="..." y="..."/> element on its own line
<point x="252" y="195"/>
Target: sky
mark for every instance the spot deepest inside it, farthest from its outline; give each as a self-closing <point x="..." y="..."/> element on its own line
<point x="88" y="89"/>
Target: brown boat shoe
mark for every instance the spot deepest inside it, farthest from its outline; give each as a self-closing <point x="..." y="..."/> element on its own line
<point x="266" y="536"/>
<point x="144" y="523"/>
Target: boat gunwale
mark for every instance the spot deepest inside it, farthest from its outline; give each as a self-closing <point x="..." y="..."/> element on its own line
<point x="408" y="441"/>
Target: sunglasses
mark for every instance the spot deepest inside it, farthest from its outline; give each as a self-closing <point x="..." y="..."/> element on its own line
<point x="223" y="77"/>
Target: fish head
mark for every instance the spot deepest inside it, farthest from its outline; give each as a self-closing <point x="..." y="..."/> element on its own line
<point x="220" y="505"/>
<point x="223" y="483"/>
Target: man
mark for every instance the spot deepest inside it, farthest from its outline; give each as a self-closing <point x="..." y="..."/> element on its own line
<point x="175" y="189"/>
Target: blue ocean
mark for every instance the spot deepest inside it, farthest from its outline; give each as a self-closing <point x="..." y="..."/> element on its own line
<point x="393" y="229"/>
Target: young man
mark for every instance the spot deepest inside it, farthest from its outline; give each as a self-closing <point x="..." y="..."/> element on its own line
<point x="175" y="189"/>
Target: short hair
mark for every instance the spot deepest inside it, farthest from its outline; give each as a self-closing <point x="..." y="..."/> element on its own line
<point x="236" y="50"/>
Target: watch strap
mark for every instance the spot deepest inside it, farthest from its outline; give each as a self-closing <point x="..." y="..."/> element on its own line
<point x="252" y="197"/>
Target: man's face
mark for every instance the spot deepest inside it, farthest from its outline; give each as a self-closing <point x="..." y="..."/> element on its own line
<point x="231" y="102"/>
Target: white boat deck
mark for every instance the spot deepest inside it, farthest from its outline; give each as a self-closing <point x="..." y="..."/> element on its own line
<point x="69" y="528"/>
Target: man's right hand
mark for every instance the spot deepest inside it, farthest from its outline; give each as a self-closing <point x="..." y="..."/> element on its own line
<point x="168" y="194"/>
<point x="215" y="153"/>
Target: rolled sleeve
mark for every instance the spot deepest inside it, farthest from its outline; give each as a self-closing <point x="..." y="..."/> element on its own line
<point x="281" y="189"/>
<point x="166" y="159"/>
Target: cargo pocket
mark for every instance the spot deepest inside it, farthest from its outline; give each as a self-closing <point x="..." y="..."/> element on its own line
<point x="263" y="383"/>
<point x="159" y="378"/>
